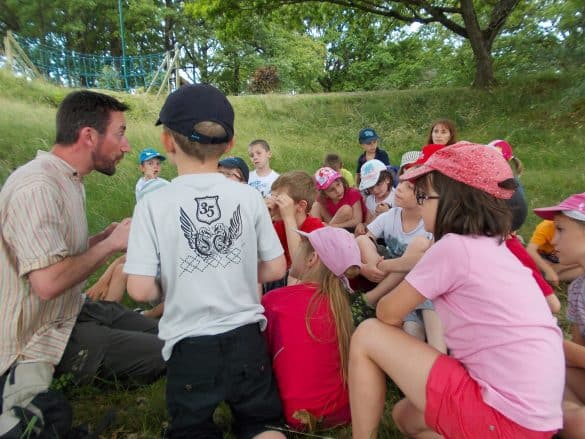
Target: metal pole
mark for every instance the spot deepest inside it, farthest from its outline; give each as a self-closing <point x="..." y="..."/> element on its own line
<point x="120" y="13"/>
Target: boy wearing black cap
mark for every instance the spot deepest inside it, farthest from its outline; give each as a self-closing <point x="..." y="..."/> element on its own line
<point x="212" y="241"/>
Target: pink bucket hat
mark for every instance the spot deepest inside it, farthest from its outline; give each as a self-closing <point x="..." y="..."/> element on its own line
<point x="324" y="177"/>
<point x="337" y="249"/>
<point x="472" y="164"/>
<point x="573" y="207"/>
<point x="504" y="147"/>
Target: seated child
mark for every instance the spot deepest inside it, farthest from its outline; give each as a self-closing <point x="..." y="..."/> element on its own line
<point x="369" y="141"/>
<point x="293" y="195"/>
<point x="569" y="241"/>
<point x="543" y="251"/>
<point x="334" y="162"/>
<point x="377" y="184"/>
<point x="212" y="241"/>
<point x="484" y="387"/>
<point x="235" y="169"/>
<point x="262" y="177"/>
<point x="309" y="327"/>
<point x="337" y="204"/>
<point x="442" y="132"/>
<point x="149" y="162"/>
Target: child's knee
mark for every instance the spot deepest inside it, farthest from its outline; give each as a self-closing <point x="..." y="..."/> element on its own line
<point x="344" y="213"/>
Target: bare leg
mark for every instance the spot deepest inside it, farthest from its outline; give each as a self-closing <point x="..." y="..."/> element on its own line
<point x="434" y="330"/>
<point x="414" y="329"/>
<point x="343" y="215"/>
<point x="574" y="405"/>
<point x="270" y="435"/>
<point x="411" y="421"/>
<point x="377" y="348"/>
<point x="101" y="289"/>
<point x="118" y="282"/>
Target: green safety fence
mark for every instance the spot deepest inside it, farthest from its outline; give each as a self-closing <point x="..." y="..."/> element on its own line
<point x="74" y="69"/>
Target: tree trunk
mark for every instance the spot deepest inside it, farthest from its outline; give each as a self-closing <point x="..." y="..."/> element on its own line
<point x="480" y="45"/>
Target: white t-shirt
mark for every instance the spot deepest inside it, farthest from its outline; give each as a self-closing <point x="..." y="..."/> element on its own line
<point x="206" y="233"/>
<point x="498" y="325"/>
<point x="263" y="184"/>
<point x="144" y="186"/>
<point x="371" y="201"/>
<point x="389" y="226"/>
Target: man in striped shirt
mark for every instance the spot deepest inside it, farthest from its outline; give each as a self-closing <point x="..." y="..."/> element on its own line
<point x="46" y="255"/>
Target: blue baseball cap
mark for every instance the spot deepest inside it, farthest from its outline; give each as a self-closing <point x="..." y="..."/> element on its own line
<point x="367" y="135"/>
<point x="236" y="163"/>
<point x="150" y="153"/>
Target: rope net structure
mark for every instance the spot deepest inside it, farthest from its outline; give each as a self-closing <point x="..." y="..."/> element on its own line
<point x="74" y="69"/>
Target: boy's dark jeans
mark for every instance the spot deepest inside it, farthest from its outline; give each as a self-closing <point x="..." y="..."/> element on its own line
<point x="232" y="367"/>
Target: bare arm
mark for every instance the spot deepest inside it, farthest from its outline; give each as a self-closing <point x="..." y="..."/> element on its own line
<point x="143" y="288"/>
<point x="286" y="207"/>
<point x="575" y="350"/>
<point x="54" y="280"/>
<point x="393" y="307"/>
<point x="272" y="270"/>
<point x="549" y="274"/>
<point x="415" y="250"/>
<point x="553" y="303"/>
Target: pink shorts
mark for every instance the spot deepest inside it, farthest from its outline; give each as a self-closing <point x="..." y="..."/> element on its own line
<point x="455" y="407"/>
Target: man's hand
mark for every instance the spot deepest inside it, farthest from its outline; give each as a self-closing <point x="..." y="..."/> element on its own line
<point x="118" y="237"/>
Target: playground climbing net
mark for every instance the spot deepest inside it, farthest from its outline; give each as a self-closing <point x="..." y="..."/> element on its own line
<point x="73" y="69"/>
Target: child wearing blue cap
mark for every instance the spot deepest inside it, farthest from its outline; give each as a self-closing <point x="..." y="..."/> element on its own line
<point x="369" y="141"/>
<point x="149" y="161"/>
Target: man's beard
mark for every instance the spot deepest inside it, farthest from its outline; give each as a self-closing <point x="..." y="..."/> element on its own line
<point x="101" y="163"/>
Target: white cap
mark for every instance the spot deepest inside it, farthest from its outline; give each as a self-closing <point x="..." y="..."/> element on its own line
<point x="370" y="173"/>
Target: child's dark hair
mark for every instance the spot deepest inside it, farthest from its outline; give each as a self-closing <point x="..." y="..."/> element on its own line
<point x="465" y="210"/>
<point x="333" y="161"/>
<point x="299" y="185"/>
<point x="450" y="126"/>
<point x="263" y="143"/>
<point x="384" y="175"/>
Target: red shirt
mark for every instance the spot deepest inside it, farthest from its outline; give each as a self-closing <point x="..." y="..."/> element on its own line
<point x="518" y="250"/>
<point x="350" y="197"/>
<point x="311" y="223"/>
<point x="307" y="368"/>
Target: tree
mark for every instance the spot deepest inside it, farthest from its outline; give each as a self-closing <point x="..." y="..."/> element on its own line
<point x="461" y="17"/>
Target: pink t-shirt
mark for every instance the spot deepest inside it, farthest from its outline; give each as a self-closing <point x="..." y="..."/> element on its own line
<point x="350" y="197"/>
<point x="307" y="368"/>
<point x="498" y="325"/>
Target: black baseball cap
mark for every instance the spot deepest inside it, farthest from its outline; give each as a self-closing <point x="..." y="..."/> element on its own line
<point x="196" y="103"/>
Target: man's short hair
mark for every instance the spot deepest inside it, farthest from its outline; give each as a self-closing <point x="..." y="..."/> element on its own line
<point x="299" y="185"/>
<point x="84" y="109"/>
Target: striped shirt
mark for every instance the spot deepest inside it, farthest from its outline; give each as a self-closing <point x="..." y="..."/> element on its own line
<point x="42" y="221"/>
<point x="576" y="303"/>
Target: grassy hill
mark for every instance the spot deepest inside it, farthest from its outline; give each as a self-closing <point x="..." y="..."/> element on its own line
<point x="543" y="118"/>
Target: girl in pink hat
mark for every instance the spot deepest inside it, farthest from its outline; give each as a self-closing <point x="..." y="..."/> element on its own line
<point x="309" y="328"/>
<point x="569" y="240"/>
<point x="338" y="205"/>
<point x="504" y="376"/>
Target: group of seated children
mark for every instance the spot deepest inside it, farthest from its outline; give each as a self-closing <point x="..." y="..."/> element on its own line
<point x="429" y="236"/>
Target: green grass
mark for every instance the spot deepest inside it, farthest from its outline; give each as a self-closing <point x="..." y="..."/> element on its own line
<point x="543" y="117"/>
